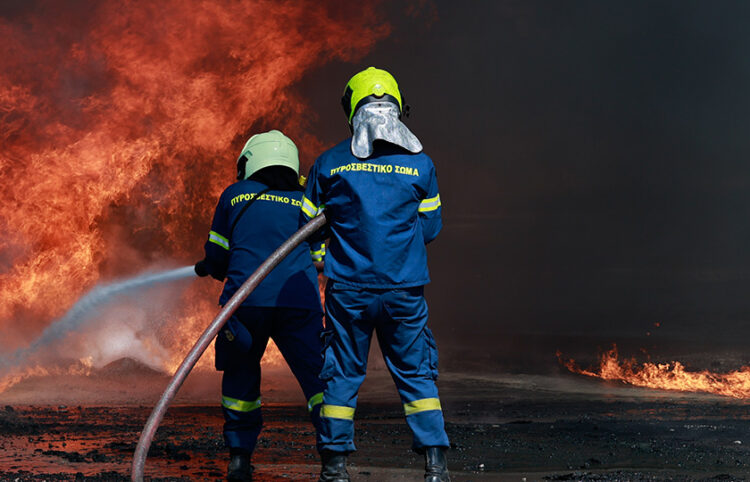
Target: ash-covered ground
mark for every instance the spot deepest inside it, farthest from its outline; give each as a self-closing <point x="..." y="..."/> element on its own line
<point x="553" y="426"/>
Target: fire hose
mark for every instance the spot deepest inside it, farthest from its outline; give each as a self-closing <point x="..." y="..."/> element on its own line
<point x="149" y="430"/>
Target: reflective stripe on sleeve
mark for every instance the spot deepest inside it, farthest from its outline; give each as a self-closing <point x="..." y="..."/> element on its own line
<point x="316" y="399"/>
<point x="430" y="204"/>
<point x="309" y="208"/>
<point x="240" y="405"/>
<point x="318" y="255"/>
<point x="422" y="405"/>
<point x="337" y="411"/>
<point x="217" y="238"/>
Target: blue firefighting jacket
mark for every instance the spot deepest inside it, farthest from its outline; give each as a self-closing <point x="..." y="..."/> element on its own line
<point x="381" y="212"/>
<point x="264" y="226"/>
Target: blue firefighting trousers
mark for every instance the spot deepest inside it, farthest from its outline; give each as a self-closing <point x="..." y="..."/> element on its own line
<point x="399" y="316"/>
<point x="296" y="333"/>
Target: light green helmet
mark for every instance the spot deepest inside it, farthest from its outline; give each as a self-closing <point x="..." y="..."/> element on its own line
<point x="270" y="148"/>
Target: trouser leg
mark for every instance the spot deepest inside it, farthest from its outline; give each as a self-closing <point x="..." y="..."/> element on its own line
<point x="411" y="356"/>
<point x="347" y="344"/>
<point x="240" y="386"/>
<point x="297" y="333"/>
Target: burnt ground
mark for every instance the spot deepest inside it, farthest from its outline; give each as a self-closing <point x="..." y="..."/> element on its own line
<point x="502" y="427"/>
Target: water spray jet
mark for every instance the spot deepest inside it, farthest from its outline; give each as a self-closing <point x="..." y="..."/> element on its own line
<point x="84" y="309"/>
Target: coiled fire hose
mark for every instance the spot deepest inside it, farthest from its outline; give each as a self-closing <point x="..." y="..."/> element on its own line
<point x="149" y="430"/>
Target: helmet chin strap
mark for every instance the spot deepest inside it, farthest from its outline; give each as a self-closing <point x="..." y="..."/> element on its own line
<point x="241" y="164"/>
<point x="380" y="121"/>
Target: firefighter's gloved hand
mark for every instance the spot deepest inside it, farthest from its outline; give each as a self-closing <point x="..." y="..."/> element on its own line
<point x="201" y="269"/>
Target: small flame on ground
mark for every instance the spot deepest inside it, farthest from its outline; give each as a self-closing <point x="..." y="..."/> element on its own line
<point x="665" y="376"/>
<point x="76" y="367"/>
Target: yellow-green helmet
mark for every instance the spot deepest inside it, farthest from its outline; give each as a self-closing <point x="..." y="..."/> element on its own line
<point x="270" y="148"/>
<point x="370" y="85"/>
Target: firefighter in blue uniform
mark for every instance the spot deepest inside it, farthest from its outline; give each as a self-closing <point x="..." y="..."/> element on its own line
<point x="380" y="195"/>
<point x="253" y="217"/>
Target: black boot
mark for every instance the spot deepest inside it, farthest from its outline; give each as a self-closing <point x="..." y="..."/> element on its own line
<point x="435" y="465"/>
<point x="240" y="469"/>
<point x="333" y="467"/>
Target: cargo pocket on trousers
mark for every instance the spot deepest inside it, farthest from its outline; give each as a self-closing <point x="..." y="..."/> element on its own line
<point x="326" y="373"/>
<point x="222" y="347"/>
<point x="432" y="353"/>
<point x="233" y="342"/>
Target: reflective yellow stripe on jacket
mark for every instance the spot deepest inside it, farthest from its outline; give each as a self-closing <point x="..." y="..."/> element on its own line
<point x="217" y="238"/>
<point x="429" y="204"/>
<point x="317" y="256"/>
<point x="310" y="209"/>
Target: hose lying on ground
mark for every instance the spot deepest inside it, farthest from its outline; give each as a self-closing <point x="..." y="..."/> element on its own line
<point x="149" y="430"/>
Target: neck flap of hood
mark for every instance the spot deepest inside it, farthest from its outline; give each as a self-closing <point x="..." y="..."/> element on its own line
<point x="379" y="121"/>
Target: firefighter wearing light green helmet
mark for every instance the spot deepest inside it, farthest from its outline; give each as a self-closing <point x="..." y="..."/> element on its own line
<point x="270" y="148"/>
<point x="252" y="218"/>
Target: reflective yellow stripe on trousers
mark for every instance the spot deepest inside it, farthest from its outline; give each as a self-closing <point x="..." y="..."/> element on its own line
<point x="422" y="405"/>
<point x="337" y="411"/>
<point x="316" y="399"/>
<point x="240" y="405"/>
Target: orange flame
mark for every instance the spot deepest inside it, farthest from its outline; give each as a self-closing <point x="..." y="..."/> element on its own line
<point x="74" y="367"/>
<point x="119" y="124"/>
<point x="665" y="376"/>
